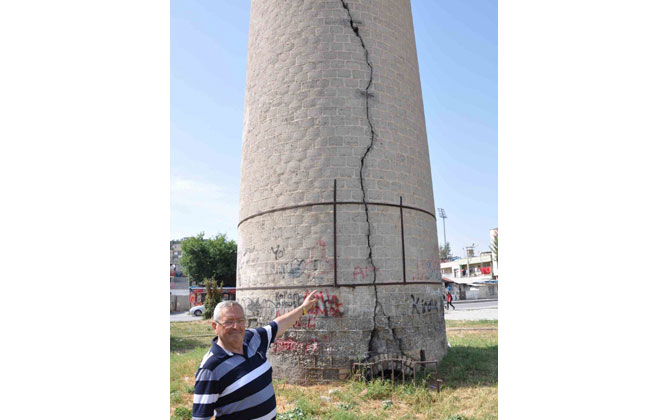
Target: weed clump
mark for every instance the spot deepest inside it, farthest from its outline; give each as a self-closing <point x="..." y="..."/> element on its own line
<point x="295" y="414"/>
<point x="182" y="413"/>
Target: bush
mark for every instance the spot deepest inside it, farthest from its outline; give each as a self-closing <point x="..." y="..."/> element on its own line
<point x="213" y="297"/>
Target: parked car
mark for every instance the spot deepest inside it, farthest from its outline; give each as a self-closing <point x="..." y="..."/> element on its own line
<point x="197" y="310"/>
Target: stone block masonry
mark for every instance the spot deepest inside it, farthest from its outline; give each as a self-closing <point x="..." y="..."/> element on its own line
<point x="334" y="114"/>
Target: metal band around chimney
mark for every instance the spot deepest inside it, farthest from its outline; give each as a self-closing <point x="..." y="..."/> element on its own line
<point x="331" y="203"/>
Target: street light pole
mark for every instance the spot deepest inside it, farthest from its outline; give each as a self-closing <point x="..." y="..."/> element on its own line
<point x="468" y="263"/>
<point x="442" y="215"/>
<point x="468" y="259"/>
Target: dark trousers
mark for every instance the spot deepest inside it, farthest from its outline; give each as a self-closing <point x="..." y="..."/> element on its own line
<point x="448" y="304"/>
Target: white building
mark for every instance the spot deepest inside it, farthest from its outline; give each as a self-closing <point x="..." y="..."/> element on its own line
<point x="476" y="268"/>
<point x="473" y="276"/>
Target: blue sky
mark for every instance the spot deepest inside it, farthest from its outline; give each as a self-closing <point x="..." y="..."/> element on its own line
<point x="457" y="55"/>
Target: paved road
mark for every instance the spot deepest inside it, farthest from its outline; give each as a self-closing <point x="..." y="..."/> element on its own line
<point x="184" y="316"/>
<point x="475" y="304"/>
<point x="473" y="310"/>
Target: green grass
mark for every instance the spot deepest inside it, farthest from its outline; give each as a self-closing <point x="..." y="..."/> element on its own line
<point x="295" y="414"/>
<point x="183" y="369"/>
<point x="473" y="358"/>
<point x="472" y="324"/>
<point x="182" y="413"/>
<point x="187" y="336"/>
<point x="469" y="390"/>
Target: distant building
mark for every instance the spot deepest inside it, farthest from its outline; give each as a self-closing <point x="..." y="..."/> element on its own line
<point x="478" y="268"/>
<point x="176" y="254"/>
<point x="179" y="283"/>
<point x="472" y="276"/>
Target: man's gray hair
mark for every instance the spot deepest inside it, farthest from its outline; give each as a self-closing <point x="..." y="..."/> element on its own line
<point x="225" y="304"/>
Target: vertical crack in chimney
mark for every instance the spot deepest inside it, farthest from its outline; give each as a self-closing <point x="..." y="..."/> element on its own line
<point x="354" y="27"/>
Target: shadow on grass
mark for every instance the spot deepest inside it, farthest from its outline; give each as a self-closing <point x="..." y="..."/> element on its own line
<point x="464" y="366"/>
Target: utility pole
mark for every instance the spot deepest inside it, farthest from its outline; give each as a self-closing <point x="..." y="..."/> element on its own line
<point x="442" y="215"/>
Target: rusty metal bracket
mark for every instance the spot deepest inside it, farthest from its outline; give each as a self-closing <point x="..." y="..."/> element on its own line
<point x="359" y="369"/>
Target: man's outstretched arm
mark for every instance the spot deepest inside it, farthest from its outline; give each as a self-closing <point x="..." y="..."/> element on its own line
<point x="286" y="321"/>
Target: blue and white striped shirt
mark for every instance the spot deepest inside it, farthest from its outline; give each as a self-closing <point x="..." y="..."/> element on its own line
<point x="234" y="386"/>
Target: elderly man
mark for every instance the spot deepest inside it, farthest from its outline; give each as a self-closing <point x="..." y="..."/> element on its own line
<point x="234" y="380"/>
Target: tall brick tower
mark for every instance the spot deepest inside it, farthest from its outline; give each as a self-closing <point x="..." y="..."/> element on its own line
<point x="336" y="190"/>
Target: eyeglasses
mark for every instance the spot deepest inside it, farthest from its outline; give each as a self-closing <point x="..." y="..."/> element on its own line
<point x="232" y="322"/>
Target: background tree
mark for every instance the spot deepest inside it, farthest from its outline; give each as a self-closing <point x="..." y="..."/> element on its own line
<point x="224" y="256"/>
<point x="213" y="258"/>
<point x="444" y="251"/>
<point x="213" y="297"/>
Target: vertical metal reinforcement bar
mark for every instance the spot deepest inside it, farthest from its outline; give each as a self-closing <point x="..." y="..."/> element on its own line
<point x="335" y="228"/>
<point x="401" y="219"/>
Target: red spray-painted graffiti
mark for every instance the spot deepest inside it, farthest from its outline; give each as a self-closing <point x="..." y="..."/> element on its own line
<point x="317" y="266"/>
<point x="308" y="323"/>
<point x="426" y="270"/>
<point x="291" y="345"/>
<point x="326" y="305"/>
<point x="363" y="271"/>
<point x="265" y="310"/>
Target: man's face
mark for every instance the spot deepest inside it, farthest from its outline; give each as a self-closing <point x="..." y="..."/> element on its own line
<point x="231" y="326"/>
